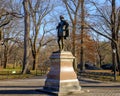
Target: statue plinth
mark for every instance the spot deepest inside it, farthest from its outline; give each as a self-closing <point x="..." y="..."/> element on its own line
<point x="61" y="78"/>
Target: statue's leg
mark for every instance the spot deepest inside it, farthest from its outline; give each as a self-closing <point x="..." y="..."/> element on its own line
<point x="59" y="43"/>
<point x="62" y="42"/>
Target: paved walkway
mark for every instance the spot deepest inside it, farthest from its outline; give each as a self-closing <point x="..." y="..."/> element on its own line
<point x="24" y="87"/>
<point x="27" y="87"/>
<point x="97" y="88"/>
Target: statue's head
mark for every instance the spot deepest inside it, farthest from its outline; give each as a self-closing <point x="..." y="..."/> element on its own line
<point x="61" y="17"/>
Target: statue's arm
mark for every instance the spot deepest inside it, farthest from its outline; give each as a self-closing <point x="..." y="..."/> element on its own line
<point x="58" y="26"/>
<point x="67" y="25"/>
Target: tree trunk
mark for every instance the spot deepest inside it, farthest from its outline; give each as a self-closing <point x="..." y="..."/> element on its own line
<point x="25" y="68"/>
<point x="118" y="58"/>
<point x="114" y="37"/>
<point x="35" y="62"/>
<point x="5" y="63"/>
<point x="73" y="39"/>
<point x="100" y="62"/>
<point x="5" y="56"/>
<point x="82" y="33"/>
<point x="73" y="45"/>
<point x="5" y="60"/>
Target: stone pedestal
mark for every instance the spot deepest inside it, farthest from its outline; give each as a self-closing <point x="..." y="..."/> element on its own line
<point x="62" y="79"/>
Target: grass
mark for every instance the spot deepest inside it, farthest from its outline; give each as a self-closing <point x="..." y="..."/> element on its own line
<point x="11" y="73"/>
<point x="103" y="75"/>
<point x="15" y="76"/>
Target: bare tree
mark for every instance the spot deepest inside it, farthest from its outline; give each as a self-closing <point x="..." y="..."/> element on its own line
<point x="102" y="51"/>
<point x="25" y="68"/>
<point x="73" y="13"/>
<point x="38" y="11"/>
<point x="8" y="17"/>
<point x="73" y="9"/>
<point x="110" y="19"/>
<point x="82" y="33"/>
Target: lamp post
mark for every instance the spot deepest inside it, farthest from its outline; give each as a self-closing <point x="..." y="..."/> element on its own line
<point x="114" y="63"/>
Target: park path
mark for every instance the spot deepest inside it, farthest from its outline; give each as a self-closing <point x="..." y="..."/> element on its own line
<point x="99" y="88"/>
<point x="28" y="87"/>
<point x="21" y="87"/>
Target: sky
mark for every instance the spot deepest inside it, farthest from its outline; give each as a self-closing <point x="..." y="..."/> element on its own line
<point x="61" y="10"/>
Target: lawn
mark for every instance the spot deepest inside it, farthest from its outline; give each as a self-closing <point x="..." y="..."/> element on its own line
<point x="103" y="75"/>
<point x="11" y="73"/>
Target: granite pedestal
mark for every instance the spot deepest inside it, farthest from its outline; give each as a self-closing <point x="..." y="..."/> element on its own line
<point x="61" y="78"/>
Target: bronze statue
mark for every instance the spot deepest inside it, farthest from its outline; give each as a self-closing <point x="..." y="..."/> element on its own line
<point x="63" y="32"/>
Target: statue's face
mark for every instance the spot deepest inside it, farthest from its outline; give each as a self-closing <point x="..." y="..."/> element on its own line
<point x="61" y="17"/>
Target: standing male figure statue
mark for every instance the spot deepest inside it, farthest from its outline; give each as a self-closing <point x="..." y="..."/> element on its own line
<point x="62" y="33"/>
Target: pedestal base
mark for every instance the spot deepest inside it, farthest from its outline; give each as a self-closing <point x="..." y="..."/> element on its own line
<point x="62" y="79"/>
